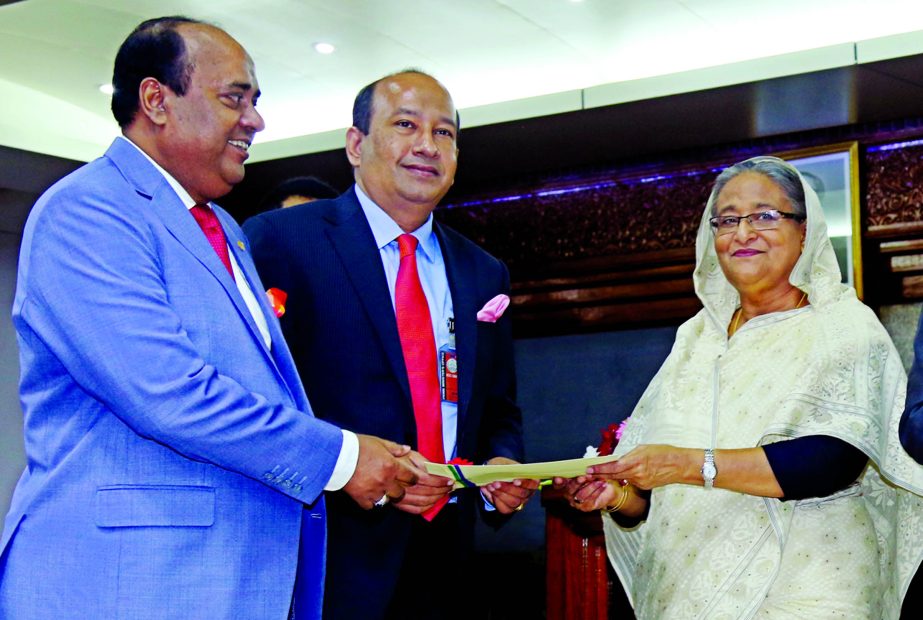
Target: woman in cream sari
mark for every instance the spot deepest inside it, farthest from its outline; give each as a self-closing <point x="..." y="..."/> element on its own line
<point x="761" y="473"/>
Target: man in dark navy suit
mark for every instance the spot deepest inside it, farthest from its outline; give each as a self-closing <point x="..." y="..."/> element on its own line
<point x="366" y="274"/>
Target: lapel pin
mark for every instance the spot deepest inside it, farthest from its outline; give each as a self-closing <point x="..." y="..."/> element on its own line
<point x="240" y="244"/>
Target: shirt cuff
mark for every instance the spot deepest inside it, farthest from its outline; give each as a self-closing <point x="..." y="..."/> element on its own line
<point x="346" y="462"/>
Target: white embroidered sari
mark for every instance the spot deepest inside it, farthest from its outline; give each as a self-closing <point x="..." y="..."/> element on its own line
<point x="825" y="369"/>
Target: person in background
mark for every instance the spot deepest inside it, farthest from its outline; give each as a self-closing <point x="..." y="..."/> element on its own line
<point x="396" y="325"/>
<point x="296" y="191"/>
<point x="761" y="475"/>
<point x="174" y="466"/>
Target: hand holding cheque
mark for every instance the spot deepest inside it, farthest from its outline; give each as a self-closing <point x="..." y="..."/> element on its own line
<point x="482" y="475"/>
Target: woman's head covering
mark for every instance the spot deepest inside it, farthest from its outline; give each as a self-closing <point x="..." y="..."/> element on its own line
<point x="816" y="272"/>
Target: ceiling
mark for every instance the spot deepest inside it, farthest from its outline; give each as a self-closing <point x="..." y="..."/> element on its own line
<point x="502" y="59"/>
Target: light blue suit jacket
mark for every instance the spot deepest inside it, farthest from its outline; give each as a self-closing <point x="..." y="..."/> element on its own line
<point x="170" y="452"/>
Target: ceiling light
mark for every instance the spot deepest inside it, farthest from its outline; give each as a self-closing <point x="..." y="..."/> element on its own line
<point x="106" y="89"/>
<point x="324" y="48"/>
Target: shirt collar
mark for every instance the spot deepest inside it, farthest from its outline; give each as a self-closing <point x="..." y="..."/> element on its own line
<point x="183" y="195"/>
<point x="385" y="230"/>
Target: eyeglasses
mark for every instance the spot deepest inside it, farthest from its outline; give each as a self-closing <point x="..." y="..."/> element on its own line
<point x="759" y="220"/>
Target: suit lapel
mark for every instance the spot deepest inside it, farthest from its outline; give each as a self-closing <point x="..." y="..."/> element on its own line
<point x="178" y="221"/>
<point x="355" y="246"/>
<point x="185" y="230"/>
<point x="279" y="356"/>
<point x="459" y="269"/>
<point x="176" y="218"/>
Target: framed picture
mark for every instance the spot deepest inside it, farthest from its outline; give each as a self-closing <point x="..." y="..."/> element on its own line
<point x="833" y="172"/>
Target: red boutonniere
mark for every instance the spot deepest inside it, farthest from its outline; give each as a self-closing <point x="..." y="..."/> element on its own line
<point x="277" y="299"/>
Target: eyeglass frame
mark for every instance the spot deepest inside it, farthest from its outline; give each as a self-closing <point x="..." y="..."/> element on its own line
<point x="785" y="215"/>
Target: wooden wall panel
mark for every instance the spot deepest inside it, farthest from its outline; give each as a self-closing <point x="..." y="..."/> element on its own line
<point x="601" y="253"/>
<point x="616" y="250"/>
<point x="893" y="175"/>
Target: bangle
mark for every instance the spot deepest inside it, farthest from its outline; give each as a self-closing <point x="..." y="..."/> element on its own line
<point x="621" y="501"/>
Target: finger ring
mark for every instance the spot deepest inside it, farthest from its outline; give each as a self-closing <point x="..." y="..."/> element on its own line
<point x="578" y="501"/>
<point x="519" y="507"/>
<point x="381" y="502"/>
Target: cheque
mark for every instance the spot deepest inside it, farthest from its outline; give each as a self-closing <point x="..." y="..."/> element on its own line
<point x="479" y="475"/>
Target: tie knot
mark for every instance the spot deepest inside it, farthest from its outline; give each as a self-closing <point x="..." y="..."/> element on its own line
<point x="205" y="217"/>
<point x="207" y="220"/>
<point x="407" y="244"/>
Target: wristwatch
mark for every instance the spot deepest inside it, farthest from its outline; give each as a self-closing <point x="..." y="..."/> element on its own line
<point x="708" y="468"/>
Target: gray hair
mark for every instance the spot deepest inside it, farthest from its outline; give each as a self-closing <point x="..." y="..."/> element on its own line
<point x="779" y="171"/>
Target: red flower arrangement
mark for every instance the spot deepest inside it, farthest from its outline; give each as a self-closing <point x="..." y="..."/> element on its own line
<point x="611" y="436"/>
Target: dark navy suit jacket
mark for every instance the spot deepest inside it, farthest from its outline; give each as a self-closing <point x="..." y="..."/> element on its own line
<point x="341" y="328"/>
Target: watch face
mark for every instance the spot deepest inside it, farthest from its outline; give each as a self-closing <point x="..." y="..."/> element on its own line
<point x="709" y="471"/>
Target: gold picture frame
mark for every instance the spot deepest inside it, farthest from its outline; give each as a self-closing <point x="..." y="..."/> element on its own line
<point x="833" y="171"/>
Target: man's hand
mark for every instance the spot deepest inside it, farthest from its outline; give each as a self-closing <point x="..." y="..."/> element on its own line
<point x="428" y="490"/>
<point x="384" y="468"/>
<point x="508" y="497"/>
<point x="585" y="494"/>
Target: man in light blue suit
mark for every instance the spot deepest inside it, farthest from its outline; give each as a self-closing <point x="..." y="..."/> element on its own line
<point x="175" y="469"/>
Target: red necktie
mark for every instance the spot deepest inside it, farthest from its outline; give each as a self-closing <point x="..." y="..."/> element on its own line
<point x="208" y="222"/>
<point x="415" y="329"/>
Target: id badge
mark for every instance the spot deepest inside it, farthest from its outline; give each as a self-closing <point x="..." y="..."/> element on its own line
<point x="448" y="374"/>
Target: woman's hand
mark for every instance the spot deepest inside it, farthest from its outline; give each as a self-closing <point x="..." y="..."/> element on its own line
<point x="745" y="470"/>
<point x="654" y="465"/>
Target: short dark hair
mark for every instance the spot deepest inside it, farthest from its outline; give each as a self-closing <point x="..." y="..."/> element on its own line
<point x="153" y="49"/>
<point x="362" y="106"/>
<point x="309" y="187"/>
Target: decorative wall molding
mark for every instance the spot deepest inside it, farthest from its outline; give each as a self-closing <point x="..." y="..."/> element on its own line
<point x="894" y="199"/>
<point x="601" y="253"/>
<point x="615" y="250"/>
<point x="894" y="178"/>
<point x="542" y="229"/>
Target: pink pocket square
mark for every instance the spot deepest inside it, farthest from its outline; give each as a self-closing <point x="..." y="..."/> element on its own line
<point x="493" y="309"/>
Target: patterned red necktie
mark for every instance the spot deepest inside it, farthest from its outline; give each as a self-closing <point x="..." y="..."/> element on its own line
<point x="415" y="328"/>
<point x="208" y="222"/>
